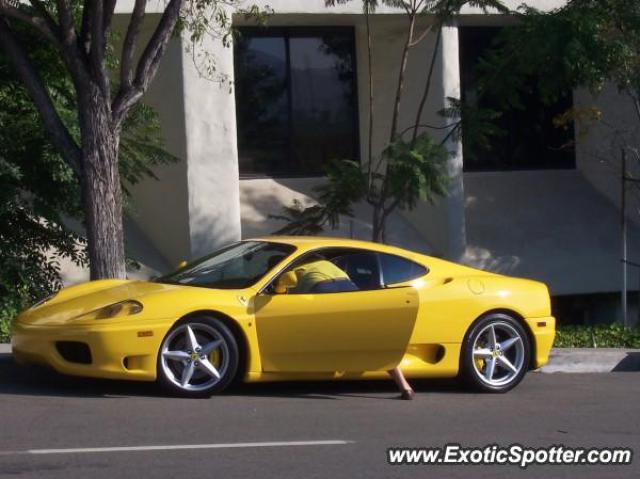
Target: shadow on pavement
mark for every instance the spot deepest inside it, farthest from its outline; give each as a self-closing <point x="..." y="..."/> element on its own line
<point x="631" y="362"/>
<point x="38" y="381"/>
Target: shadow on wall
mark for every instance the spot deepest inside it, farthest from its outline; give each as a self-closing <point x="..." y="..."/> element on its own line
<point x="483" y="259"/>
<point x="261" y="197"/>
<point x="553" y="226"/>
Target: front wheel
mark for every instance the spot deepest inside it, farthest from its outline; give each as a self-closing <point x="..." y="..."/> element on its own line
<point x="198" y="357"/>
<point x="495" y="354"/>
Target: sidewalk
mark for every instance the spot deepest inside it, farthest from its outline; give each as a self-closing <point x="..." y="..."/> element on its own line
<point x="592" y="360"/>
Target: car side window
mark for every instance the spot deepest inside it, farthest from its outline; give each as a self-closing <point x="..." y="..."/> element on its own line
<point x="363" y="269"/>
<point x="399" y="270"/>
<point x="335" y="270"/>
<point x="320" y="275"/>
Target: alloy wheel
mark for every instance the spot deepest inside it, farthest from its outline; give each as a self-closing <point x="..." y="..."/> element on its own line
<point x="498" y="354"/>
<point x="194" y="357"/>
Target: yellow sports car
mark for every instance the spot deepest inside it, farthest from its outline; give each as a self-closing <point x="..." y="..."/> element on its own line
<point x="287" y="308"/>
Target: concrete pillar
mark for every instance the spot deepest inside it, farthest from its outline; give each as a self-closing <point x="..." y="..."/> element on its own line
<point x="442" y="224"/>
<point x="453" y="205"/>
<point x="212" y="155"/>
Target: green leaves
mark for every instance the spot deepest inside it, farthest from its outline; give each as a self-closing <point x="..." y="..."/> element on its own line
<point x="443" y="9"/>
<point x="346" y="185"/>
<point x="585" y="43"/>
<point x="600" y="336"/>
<point x="37" y="188"/>
<point x="416" y="171"/>
<point x="39" y="194"/>
<point x="477" y="125"/>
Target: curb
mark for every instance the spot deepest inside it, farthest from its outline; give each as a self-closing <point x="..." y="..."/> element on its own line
<point x="592" y="360"/>
<point x="565" y="360"/>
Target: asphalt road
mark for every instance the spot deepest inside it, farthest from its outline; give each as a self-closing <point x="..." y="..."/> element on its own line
<point x="41" y="410"/>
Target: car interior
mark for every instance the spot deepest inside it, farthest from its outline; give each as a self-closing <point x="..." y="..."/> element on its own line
<point x="362" y="270"/>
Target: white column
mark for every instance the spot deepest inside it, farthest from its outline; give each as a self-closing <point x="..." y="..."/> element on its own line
<point x="454" y="202"/>
<point x="212" y="155"/>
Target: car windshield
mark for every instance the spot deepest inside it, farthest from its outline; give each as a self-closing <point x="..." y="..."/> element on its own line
<point x="237" y="266"/>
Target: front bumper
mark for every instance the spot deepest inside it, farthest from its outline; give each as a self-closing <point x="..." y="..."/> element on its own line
<point x="119" y="350"/>
<point x="543" y="331"/>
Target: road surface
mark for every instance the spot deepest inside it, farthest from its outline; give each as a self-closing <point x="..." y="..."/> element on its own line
<point x="60" y="427"/>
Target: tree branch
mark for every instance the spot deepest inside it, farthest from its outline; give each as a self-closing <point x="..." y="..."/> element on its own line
<point x="400" y="86"/>
<point x="73" y="55"/>
<point x="37" y="22"/>
<point x="427" y="86"/>
<point x="109" y="7"/>
<point x="421" y="37"/>
<point x="46" y="14"/>
<point x="67" y="26"/>
<point x="84" y="41"/>
<point x="152" y="54"/>
<point x="98" y="46"/>
<point x="129" y="45"/>
<point x="60" y="136"/>
<point x="149" y="61"/>
<point x="455" y="127"/>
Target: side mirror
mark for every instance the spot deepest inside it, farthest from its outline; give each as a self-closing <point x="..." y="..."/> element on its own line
<point x="182" y="264"/>
<point x="285" y="282"/>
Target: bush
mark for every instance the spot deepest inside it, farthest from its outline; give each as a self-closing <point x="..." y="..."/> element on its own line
<point x="10" y="306"/>
<point x="600" y="336"/>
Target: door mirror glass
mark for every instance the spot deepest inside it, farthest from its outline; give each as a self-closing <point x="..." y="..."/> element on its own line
<point x="285" y="282"/>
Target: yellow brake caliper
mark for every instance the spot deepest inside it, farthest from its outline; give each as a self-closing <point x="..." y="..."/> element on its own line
<point x="214" y="358"/>
<point x="479" y="363"/>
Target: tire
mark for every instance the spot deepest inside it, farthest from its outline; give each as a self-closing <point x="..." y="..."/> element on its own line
<point x="198" y="357"/>
<point x="495" y="364"/>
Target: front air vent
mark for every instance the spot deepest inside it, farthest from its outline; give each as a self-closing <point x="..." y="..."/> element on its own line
<point x="74" y="352"/>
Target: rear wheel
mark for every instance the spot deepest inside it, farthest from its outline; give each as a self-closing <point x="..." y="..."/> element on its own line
<point x="198" y="357"/>
<point x="495" y="354"/>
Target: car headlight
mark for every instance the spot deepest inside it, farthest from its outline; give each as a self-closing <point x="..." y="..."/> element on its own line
<point x="123" y="308"/>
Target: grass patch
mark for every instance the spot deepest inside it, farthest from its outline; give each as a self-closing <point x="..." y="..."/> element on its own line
<point x="600" y="336"/>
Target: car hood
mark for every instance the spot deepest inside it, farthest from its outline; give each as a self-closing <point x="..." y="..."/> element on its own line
<point x="71" y="303"/>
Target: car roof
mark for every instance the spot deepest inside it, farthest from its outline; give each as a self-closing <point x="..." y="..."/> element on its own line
<point x="312" y="242"/>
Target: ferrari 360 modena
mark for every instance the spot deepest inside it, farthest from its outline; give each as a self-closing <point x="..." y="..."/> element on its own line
<point x="295" y="308"/>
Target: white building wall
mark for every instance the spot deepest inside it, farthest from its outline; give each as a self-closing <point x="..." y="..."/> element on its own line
<point x="194" y="205"/>
<point x="553" y="226"/>
<point x="160" y="206"/>
<point x="557" y="226"/>
<point x="212" y="154"/>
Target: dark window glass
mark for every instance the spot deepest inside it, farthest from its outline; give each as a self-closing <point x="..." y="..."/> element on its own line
<point x="362" y="269"/>
<point x="398" y="270"/>
<point x="295" y="100"/>
<point x="529" y="140"/>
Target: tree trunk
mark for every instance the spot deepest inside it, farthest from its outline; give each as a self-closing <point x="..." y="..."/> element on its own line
<point x="370" y="79"/>
<point x="403" y="67"/>
<point x="377" y="234"/>
<point x="101" y="191"/>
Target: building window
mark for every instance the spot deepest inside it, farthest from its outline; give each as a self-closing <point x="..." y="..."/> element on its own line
<point x="528" y="139"/>
<point x="296" y="102"/>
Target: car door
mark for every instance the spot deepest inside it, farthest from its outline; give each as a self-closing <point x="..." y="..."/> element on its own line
<point x="343" y="331"/>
